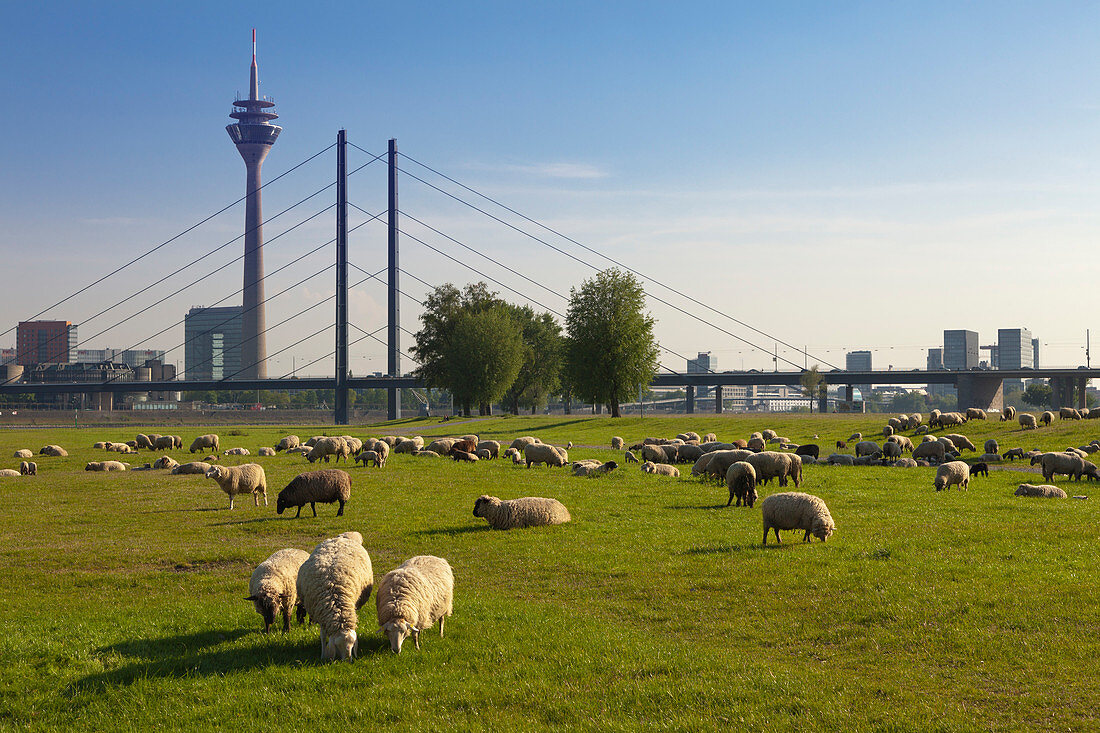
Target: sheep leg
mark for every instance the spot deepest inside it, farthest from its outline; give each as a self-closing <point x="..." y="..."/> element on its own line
<point x="731" y="499"/>
<point x="314" y="508"/>
<point x="441" y="620"/>
<point x="230" y="501"/>
<point x="340" y="511"/>
<point x="416" y="638"/>
<point x="286" y="620"/>
<point x="299" y="511"/>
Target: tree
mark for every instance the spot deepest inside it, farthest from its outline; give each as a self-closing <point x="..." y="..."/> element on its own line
<point x="610" y="349"/>
<point x="812" y="381"/>
<point x="1038" y="394"/>
<point x="540" y="374"/>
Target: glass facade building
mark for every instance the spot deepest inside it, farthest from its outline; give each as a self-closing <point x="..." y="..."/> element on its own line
<point x="960" y="349"/>
<point x="213" y="343"/>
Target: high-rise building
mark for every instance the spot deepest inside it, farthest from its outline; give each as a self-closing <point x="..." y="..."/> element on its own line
<point x="1014" y="351"/>
<point x="703" y="364"/>
<point x="935" y="364"/>
<point x="132" y="358"/>
<point x="213" y="343"/>
<point x="960" y="349"/>
<point x="1035" y="353"/>
<point x="859" y="361"/>
<point x="935" y="360"/>
<point x="253" y="135"/>
<point x="45" y="342"/>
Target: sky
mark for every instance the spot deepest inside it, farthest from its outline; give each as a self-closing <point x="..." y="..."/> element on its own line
<point x="839" y="176"/>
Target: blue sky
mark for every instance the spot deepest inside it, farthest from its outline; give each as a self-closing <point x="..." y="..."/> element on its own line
<point x="841" y="175"/>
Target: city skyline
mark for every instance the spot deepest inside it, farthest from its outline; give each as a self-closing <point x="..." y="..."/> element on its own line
<point x="732" y="141"/>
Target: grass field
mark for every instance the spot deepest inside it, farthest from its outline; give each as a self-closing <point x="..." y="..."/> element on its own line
<point x="656" y="608"/>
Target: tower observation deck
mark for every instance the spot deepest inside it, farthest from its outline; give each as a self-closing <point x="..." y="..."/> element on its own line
<point x="253" y="134"/>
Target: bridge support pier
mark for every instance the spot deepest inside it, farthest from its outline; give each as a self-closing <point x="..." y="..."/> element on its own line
<point x="1057" y="393"/>
<point x="1081" y="402"/>
<point x="822" y="399"/>
<point x="985" y="391"/>
<point x="690" y="399"/>
<point x="719" y="395"/>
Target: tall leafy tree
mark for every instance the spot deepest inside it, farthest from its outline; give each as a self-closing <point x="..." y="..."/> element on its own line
<point x="540" y="374"/>
<point x="610" y="348"/>
<point x="812" y="382"/>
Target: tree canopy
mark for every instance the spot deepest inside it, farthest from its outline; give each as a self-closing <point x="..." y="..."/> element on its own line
<point x="610" y="349"/>
<point x="540" y="374"/>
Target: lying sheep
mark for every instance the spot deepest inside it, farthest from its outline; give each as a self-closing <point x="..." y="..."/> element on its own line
<point x="840" y="459"/>
<point x="463" y="456"/>
<point x="661" y="469"/>
<point x="273" y="587"/>
<point x="952" y="473"/>
<point x="442" y="446"/>
<point x="23" y="453"/>
<point x="9" y="473"/>
<point x="426" y="454"/>
<point x="106" y="466"/>
<point x="325" y="486"/>
<point x="990" y="458"/>
<point x="248" y="478"/>
<point x="796" y="510"/>
<point x="1060" y="463"/>
<point x="408" y="445"/>
<point x="536" y="453"/>
<point x="191" y="468"/>
<point x="333" y="583"/>
<point x="592" y="468"/>
<point x="203" y="442"/>
<point x="54" y="451"/>
<point x="1044" y="491"/>
<point x="290" y="442"/>
<point x="264" y="451"/>
<point x="28" y="468"/>
<point x="741" y="480"/>
<point x="237" y="452"/>
<point x="165" y="462"/>
<point x="905" y="463"/>
<point x="756" y="444"/>
<point x="529" y="511"/>
<point x="412" y="597"/>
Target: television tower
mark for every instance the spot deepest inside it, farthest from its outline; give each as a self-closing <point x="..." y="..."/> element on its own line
<point x="254" y="135"/>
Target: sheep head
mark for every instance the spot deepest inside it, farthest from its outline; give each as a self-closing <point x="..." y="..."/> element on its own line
<point x="342" y="645"/>
<point x="398" y="631"/>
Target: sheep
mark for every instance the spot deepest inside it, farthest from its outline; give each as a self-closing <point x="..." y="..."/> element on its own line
<point x="961" y="441"/>
<point x="1093" y="414"/>
<point x="796" y="510"/>
<point x="709" y="438"/>
<point x="770" y="464"/>
<point x="28" y="468"/>
<point x="688" y="436"/>
<point x="165" y="462"/>
<point x="991" y="446"/>
<point x="1009" y="413"/>
<point x="412" y="596"/>
<point x="931" y="450"/>
<point x="840" y="459"/>
<point x="24" y="453"/>
<point x="952" y="473"/>
<point x="975" y="413"/>
<point x="866" y="448"/>
<point x="442" y="446"/>
<point x="273" y="587"/>
<point x="1076" y="452"/>
<point x="55" y="451"/>
<point x="948" y="444"/>
<point x="949" y="419"/>
<point x="1013" y="454"/>
<point x="326" y="447"/>
<point x="142" y="441"/>
<point x="921" y="430"/>
<point x="841" y="445"/>
<point x="756" y="444"/>
<point x="856" y="437"/>
<point x="661" y="469"/>
<point x="1044" y="491"/>
<point x="165" y="442"/>
<point x="265" y="451"/>
<point x="492" y="447"/>
<point x="334" y="582"/>
<point x="617" y="443"/>
<point x="237" y="452"/>
<point x="313" y="441"/>
<point x="768" y="434"/>
<point x="653" y="453"/>
<point x="367" y="457"/>
<point x="990" y="458"/>
<point x="325" y="486"/>
<point x="980" y="469"/>
<point x="1046" y="418"/>
<point x="177" y="442"/>
<point x="717" y="463"/>
<point x="888" y="431"/>
<point x="472" y="438"/>
<point x="290" y="442"/>
<point x="891" y="450"/>
<point x="106" y="466"/>
<point x="1068" y="413"/>
<point x="354" y="444"/>
<point x="1090" y="448"/>
<point x="190" y="468"/>
<point x="1027" y="421"/>
<point x="535" y="453"/>
<point x="529" y="511"/>
<point x="425" y="454"/>
<point x="914" y="421"/>
<point x="212" y="458"/>
<point x="463" y="444"/>
<point x="905" y="463"/>
<point x="741" y="480"/>
<point x="202" y="442"/>
<point x="905" y="443"/>
<point x="463" y="456"/>
<point x="592" y="467"/>
<point x="809" y="449"/>
<point x="630" y="457"/>
<point x="408" y="445"/>
<point x="521" y="443"/>
<point x="248" y="478"/>
<point x="1060" y="463"/>
<point x="8" y="473"/>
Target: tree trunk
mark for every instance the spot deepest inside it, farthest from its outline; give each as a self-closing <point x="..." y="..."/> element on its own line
<point x="615" y="407"/>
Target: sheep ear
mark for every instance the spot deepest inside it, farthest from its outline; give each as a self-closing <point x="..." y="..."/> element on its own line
<point x="250" y="598"/>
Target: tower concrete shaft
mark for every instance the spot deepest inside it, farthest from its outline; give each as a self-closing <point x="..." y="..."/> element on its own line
<point x="253" y="135"/>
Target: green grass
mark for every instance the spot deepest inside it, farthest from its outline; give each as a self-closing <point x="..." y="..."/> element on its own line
<point x="655" y="608"/>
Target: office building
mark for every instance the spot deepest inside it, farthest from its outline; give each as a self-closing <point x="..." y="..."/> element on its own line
<point x="960" y="349"/>
<point x="704" y="363"/>
<point x="213" y="343"/>
<point x="45" y="342"/>
<point x="859" y="361"/>
<point x="1014" y="351"/>
<point x="132" y="358"/>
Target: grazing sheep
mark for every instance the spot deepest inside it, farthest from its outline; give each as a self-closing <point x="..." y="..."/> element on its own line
<point x="237" y="452"/>
<point x="412" y="597"/>
<point x="809" y="449"/>
<point x="1068" y="413"/>
<point x="592" y="468"/>
<point x="756" y="444"/>
<point x="771" y="464"/>
<point x="194" y="467"/>
<point x="333" y="583"/>
<point x="888" y="431"/>
<point x="795" y="510"/>
<point x="630" y="457"/>
<point x="248" y="478"/>
<point x="55" y="451"/>
<point x="896" y="423"/>
<point x="741" y="480"/>
<point x="1013" y="454"/>
<point x="203" y="442"/>
<point x="492" y="447"/>
<point x="905" y="443"/>
<point x="914" y="421"/>
<point x="425" y="454"/>
<point x="141" y="440"/>
<point x="463" y="456"/>
<point x="290" y="442"/>
<point x="106" y="466"/>
<point x="661" y="469"/>
<point x="1009" y="413"/>
<point x="326" y="447"/>
<point x="464" y="445"/>
<point x="1044" y="491"/>
<point x="709" y="438"/>
<point x="408" y="445"/>
<point x="28" y="468"/>
<point x="617" y="443"/>
<point x="654" y="453"/>
<point x="1060" y="463"/>
<point x="952" y="473"/>
<point x="948" y="445"/>
<point x="856" y="437"/>
<point x="962" y="442"/>
<point x="932" y="450"/>
<point x="866" y="448"/>
<point x="949" y="419"/>
<point x="1076" y="452"/>
<point x="529" y="511"/>
<point x="273" y="587"/>
<point x="891" y="450"/>
<point x="521" y="443"/>
<point x="354" y="444"/>
<point x="991" y="446"/>
<point x="718" y="462"/>
<point x="975" y="413"/>
<point x="24" y="453"/>
<point x="980" y="469"/>
<point x="841" y="445"/>
<point x="442" y="446"/>
<point x="1046" y="418"/>
<point x="165" y="442"/>
<point x="1093" y="414"/>
<point x="1090" y="448"/>
<point x="535" y="453"/>
<point x="1027" y="421"/>
<point x="922" y="430"/>
<point x="325" y="487"/>
<point x="369" y="456"/>
<point x="313" y="441"/>
<point x="688" y="436"/>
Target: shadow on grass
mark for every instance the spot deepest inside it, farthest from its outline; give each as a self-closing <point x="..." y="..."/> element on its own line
<point x="181" y="511"/>
<point x="464" y="529"/>
<point x="725" y="549"/>
<point x="699" y="506"/>
<point x="253" y="521"/>
<point x="208" y="654"/>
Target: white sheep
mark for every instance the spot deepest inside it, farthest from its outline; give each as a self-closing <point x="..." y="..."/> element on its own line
<point x="9" y="473"/>
<point x="28" y="468"/>
<point x="333" y="584"/>
<point x="1045" y="491"/>
<point x="991" y="446"/>
<point x="273" y="587"/>
<point x="661" y="469"/>
<point x="952" y="473"/>
<point x="529" y="511"/>
<point x="290" y="442"/>
<point x="237" y="452"/>
<point x="24" y="453"/>
<point x="536" y="453"/>
<point x="414" y="596"/>
<point x="265" y="451"/>
<point x="369" y="456"/>
<point x="1027" y="421"/>
<point x="617" y="443"/>
<point x="248" y="478"/>
<point x="741" y="480"/>
<point x="193" y="467"/>
<point x="796" y="510"/>
<point x="106" y="466"/>
<point x="210" y="440"/>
